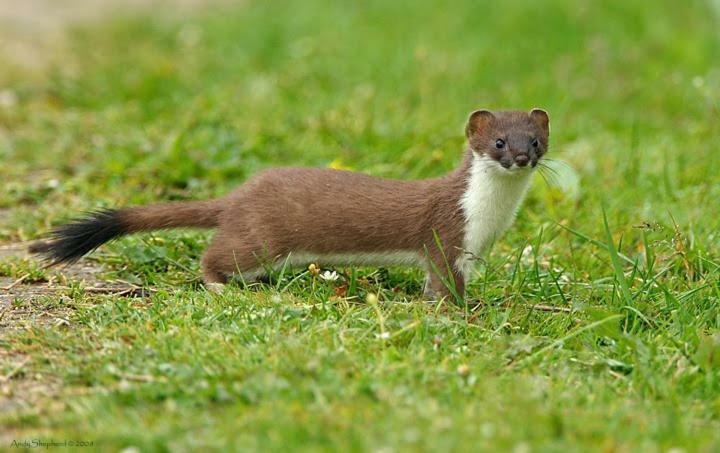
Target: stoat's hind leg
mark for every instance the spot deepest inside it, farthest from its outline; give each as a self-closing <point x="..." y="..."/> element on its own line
<point x="225" y="258"/>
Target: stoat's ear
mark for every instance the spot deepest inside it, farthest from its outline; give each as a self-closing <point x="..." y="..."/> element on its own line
<point x="478" y="120"/>
<point x="541" y="118"/>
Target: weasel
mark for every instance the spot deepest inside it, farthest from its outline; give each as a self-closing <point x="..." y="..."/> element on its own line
<point x="304" y="215"/>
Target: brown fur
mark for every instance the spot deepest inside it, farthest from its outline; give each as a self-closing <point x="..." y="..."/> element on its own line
<point x="322" y="211"/>
<point x="200" y="214"/>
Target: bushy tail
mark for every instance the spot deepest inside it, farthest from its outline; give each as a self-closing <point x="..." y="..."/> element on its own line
<point x="69" y="242"/>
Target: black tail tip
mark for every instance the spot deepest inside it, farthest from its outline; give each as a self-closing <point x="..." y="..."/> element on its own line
<point x="68" y="243"/>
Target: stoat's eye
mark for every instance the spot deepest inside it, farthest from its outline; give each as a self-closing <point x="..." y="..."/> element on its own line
<point x="499" y="143"/>
<point x="535" y="143"/>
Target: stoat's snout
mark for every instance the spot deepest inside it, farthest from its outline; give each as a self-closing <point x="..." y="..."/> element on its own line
<point x="519" y="160"/>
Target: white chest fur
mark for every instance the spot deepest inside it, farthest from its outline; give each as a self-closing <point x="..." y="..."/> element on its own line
<point x="489" y="203"/>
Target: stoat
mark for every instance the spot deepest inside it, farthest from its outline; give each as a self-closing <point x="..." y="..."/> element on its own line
<point x="313" y="215"/>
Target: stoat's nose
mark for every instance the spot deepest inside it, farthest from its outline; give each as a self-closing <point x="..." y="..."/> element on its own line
<point x="522" y="160"/>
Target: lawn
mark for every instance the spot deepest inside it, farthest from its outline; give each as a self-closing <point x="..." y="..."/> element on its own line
<point x="594" y="323"/>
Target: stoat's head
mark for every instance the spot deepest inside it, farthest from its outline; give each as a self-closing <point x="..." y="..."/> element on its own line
<point x="515" y="140"/>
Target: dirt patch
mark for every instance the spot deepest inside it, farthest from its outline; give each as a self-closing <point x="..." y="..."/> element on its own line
<point x="24" y="305"/>
<point x="39" y="305"/>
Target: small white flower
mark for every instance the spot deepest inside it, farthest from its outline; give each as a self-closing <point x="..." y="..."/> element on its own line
<point x="329" y="276"/>
<point x="384" y="335"/>
<point x="527" y="255"/>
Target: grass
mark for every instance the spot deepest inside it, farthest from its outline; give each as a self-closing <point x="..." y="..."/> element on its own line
<point x="148" y="107"/>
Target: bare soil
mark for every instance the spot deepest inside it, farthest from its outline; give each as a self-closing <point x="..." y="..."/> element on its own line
<point x="40" y="305"/>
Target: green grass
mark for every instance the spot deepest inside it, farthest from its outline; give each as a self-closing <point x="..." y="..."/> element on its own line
<point x="161" y="107"/>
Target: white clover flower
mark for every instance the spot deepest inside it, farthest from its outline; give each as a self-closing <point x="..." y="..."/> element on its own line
<point x="329" y="276"/>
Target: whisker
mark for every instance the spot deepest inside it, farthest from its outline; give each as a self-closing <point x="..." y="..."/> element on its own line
<point x="544" y="177"/>
<point x="549" y="175"/>
<point x="548" y="168"/>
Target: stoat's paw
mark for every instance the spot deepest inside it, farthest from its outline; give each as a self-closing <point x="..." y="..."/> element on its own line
<point x="215" y="288"/>
<point x="431" y="297"/>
